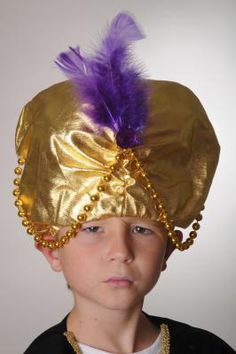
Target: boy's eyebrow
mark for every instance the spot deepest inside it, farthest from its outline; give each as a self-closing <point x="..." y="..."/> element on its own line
<point x="152" y="223"/>
<point x="146" y="222"/>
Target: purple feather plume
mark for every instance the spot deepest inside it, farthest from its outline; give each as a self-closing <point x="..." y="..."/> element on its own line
<point x="111" y="83"/>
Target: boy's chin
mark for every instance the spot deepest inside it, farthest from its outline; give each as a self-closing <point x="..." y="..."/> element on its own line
<point x="118" y="301"/>
<point x="122" y="305"/>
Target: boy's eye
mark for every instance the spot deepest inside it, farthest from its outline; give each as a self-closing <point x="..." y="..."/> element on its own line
<point x="92" y="229"/>
<point x="141" y="230"/>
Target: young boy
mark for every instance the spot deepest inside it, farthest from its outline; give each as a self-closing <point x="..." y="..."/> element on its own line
<point x="113" y="164"/>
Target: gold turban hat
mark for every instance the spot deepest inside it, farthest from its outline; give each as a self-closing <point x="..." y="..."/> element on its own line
<point x="75" y="171"/>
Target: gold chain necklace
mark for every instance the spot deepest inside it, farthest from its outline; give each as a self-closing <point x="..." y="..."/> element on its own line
<point x="165" y="340"/>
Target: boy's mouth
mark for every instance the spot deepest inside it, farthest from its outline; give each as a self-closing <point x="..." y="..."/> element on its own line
<point x="119" y="281"/>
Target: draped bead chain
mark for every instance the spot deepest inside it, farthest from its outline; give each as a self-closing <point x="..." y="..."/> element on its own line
<point x="137" y="171"/>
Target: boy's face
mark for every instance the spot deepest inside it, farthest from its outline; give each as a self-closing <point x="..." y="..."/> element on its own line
<point x="113" y="262"/>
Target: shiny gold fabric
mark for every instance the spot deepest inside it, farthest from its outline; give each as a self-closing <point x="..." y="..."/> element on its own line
<point x="67" y="154"/>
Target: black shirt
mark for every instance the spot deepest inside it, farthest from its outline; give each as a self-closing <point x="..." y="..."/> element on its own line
<point x="184" y="339"/>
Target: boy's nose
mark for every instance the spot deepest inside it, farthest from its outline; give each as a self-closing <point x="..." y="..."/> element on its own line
<point x="119" y="246"/>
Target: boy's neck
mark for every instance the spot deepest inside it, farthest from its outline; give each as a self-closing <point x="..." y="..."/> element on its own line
<point x="115" y="331"/>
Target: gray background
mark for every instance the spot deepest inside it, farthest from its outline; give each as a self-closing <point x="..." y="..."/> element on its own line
<point x="192" y="42"/>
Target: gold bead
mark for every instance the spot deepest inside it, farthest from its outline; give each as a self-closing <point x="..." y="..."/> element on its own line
<point x="118" y="157"/>
<point x="17" y="181"/>
<point x="170" y="234"/>
<point x="101" y="188"/>
<point x="44" y="243"/>
<point x="51" y="245"/>
<point x="69" y="233"/>
<point x="138" y="165"/>
<point x="64" y="239"/>
<point x="177" y="244"/>
<point x="199" y="217"/>
<point x="21" y="161"/>
<point x="168" y="226"/>
<point x="163" y="217"/>
<point x="173" y="240"/>
<point x="37" y="238"/>
<point x="87" y="208"/>
<point x="82" y="217"/>
<point x="18" y="203"/>
<point x="149" y="186"/>
<point x="160" y="206"/>
<point x="154" y="196"/>
<point x="75" y="226"/>
<point x="30" y="231"/>
<point x="196" y="226"/>
<point x="189" y="241"/>
<point x="16" y="192"/>
<point x="94" y="198"/>
<point x="143" y="174"/>
<point x="107" y="178"/>
<point x="193" y="234"/>
<point x="25" y="222"/>
<point x="21" y="214"/>
<point x="182" y="247"/>
<point x="57" y="244"/>
<point x="18" y="170"/>
<point x="112" y="168"/>
<point x="20" y="208"/>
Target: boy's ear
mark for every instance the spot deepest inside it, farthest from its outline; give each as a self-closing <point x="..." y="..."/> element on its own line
<point x="170" y="248"/>
<point x="52" y="256"/>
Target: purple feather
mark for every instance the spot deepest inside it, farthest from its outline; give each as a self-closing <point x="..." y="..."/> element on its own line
<point x="111" y="83"/>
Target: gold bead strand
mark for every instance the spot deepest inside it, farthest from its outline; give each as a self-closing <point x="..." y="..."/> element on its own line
<point x="163" y="217"/>
<point x="26" y="222"/>
<point x="193" y="233"/>
<point x="18" y="202"/>
<point x="16" y="192"/>
<point x="107" y="178"/>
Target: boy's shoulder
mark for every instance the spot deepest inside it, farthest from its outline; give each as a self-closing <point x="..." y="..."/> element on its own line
<point x="184" y="339"/>
<point x="51" y="341"/>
